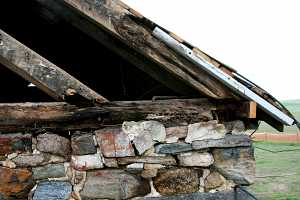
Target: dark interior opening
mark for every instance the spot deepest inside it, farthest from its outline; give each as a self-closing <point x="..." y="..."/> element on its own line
<point x="75" y="52"/>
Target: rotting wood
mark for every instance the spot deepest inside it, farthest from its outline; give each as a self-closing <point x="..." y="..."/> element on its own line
<point x="248" y="110"/>
<point x="45" y="75"/>
<point x="62" y="116"/>
<point x="117" y="19"/>
<point x="243" y="109"/>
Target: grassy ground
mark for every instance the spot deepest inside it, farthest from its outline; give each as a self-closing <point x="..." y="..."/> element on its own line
<point x="278" y="174"/>
<point x="294" y="107"/>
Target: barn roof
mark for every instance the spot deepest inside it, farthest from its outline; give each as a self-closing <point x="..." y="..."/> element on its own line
<point x="163" y="55"/>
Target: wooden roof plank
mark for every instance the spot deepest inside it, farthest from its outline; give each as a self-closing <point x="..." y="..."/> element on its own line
<point x="117" y="19"/>
<point x="45" y="75"/>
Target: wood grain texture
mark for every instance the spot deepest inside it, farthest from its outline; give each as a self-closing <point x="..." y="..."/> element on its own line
<point x="62" y="116"/>
<point x="133" y="30"/>
<point x="45" y="75"/>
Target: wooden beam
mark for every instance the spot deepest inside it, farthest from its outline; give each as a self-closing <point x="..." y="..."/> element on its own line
<point x="248" y="110"/>
<point x="62" y="12"/>
<point x="45" y="75"/>
<point x="63" y="116"/>
<point x="135" y="31"/>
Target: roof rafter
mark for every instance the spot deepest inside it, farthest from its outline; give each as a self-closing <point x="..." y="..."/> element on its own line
<point x="128" y="26"/>
<point x="45" y="75"/>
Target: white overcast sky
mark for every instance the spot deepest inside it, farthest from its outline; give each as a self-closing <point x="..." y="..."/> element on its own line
<point x="259" y="38"/>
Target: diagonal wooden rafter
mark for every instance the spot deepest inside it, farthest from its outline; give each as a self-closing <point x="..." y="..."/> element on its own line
<point x="45" y="75"/>
<point x="132" y="29"/>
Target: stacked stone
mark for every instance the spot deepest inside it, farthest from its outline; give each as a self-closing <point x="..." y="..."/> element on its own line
<point x="138" y="159"/>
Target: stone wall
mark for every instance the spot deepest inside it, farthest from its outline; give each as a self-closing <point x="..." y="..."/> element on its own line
<point x="137" y="159"/>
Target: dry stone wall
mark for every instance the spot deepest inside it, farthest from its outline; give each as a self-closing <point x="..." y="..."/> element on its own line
<point x="136" y="160"/>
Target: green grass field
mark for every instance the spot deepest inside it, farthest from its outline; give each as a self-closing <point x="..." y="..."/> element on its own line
<point x="294" y="107"/>
<point x="278" y="174"/>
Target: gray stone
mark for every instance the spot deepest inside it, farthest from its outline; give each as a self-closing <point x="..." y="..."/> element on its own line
<point x="226" y="195"/>
<point x="172" y="148"/>
<point x="135" y="168"/>
<point x="53" y="190"/>
<point x="228" y="141"/>
<point x="144" y="134"/>
<point x="83" y="144"/>
<point x="235" y="127"/>
<point x="176" y="181"/>
<point x="142" y="143"/>
<point x="54" y="144"/>
<point x="113" y="184"/>
<point x="114" y="142"/>
<point x="205" y="130"/>
<point x="111" y="162"/>
<point x="87" y="162"/>
<point x="164" y="160"/>
<point x="195" y="159"/>
<point x="34" y="160"/>
<point x="49" y="171"/>
<point x="236" y="164"/>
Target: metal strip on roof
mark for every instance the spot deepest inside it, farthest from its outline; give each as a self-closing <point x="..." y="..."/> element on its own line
<point x="223" y="77"/>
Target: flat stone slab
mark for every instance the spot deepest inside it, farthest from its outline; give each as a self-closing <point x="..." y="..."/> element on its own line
<point x="83" y="144"/>
<point x="10" y="143"/>
<point x="163" y="160"/>
<point x="53" y="190"/>
<point x="172" y="148"/>
<point x="195" y="159"/>
<point x="113" y="184"/>
<point x="87" y="162"/>
<point x="144" y="134"/>
<point x="227" y="141"/>
<point x="15" y="183"/>
<point x="237" y="164"/>
<point x="176" y="181"/>
<point x="114" y="142"/>
<point x="227" y="195"/>
<point x="204" y="131"/>
<point x="35" y="160"/>
<point x="49" y="171"/>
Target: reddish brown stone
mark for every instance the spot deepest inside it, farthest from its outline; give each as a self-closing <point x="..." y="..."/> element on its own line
<point x="114" y="143"/>
<point x="10" y="143"/>
<point x="176" y="181"/>
<point x="15" y="183"/>
<point x="178" y="131"/>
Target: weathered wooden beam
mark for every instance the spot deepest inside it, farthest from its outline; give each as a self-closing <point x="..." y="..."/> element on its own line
<point x="134" y="30"/>
<point x="45" y="75"/>
<point x="62" y="12"/>
<point x="248" y="110"/>
<point x="63" y="116"/>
